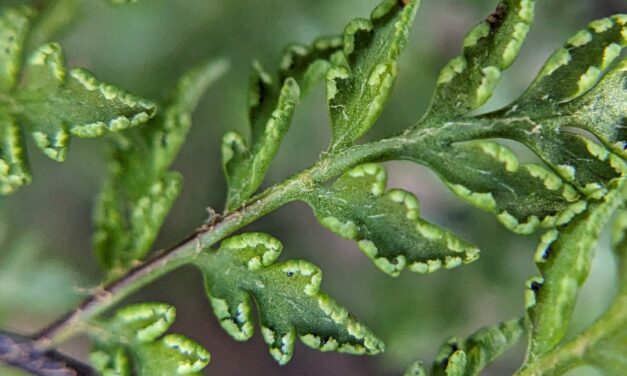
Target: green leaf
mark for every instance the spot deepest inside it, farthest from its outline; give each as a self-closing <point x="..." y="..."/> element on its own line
<point x="619" y="245"/>
<point x="489" y="176"/>
<point x="14" y="170"/>
<point x="110" y="360"/>
<point x="271" y="106"/>
<point x="360" y="83"/>
<point x="468" y="80"/>
<point x="137" y="332"/>
<point x="14" y="28"/>
<point x="287" y="295"/>
<point x="578" y="160"/>
<point x="607" y="349"/>
<point x="545" y="118"/>
<point x="127" y="222"/>
<point x="49" y="102"/>
<point x="576" y="67"/>
<point x="386" y="225"/>
<point x="469" y="357"/>
<point x="245" y="167"/>
<point x="564" y="258"/>
<point x="308" y="65"/>
<point x="55" y="105"/>
<point x="603" y="344"/>
<point x="602" y="110"/>
<point x="140" y="190"/>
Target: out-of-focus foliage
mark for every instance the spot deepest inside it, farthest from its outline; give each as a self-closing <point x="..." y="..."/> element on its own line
<point x="34" y="281"/>
<point x="141" y="190"/>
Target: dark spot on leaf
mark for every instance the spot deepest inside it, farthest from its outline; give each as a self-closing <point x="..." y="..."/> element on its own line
<point x="495" y="19"/>
<point x="263" y="93"/>
<point x="547" y="252"/>
<point x="535" y="286"/>
<point x="290" y="274"/>
<point x="454" y="347"/>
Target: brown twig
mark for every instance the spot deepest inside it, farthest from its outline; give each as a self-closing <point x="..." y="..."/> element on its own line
<point x="20" y="352"/>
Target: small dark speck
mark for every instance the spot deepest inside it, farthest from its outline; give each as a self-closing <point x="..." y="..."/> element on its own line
<point x="290" y="274"/>
<point x="547" y="252"/>
<point x="535" y="286"/>
<point x="495" y="19"/>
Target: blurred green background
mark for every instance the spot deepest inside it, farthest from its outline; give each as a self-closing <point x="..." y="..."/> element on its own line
<point x="46" y="260"/>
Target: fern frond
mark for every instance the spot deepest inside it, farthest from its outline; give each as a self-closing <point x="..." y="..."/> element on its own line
<point x="51" y="103"/>
<point x="141" y="190"/>
<point x="387" y="225"/>
<point x="469" y="357"/>
<point x="603" y="344"/>
<point x="367" y="52"/>
<point x="132" y="342"/>
<point x="488" y="175"/>
<point x="56" y="104"/>
<point x="271" y="115"/>
<point x="271" y="105"/>
<point x="564" y="257"/>
<point x="606" y="348"/>
<point x="287" y="295"/>
<point x="619" y="245"/>
<point x="14" y="28"/>
<point x="359" y="83"/>
<point x="576" y="67"/>
<point x="589" y="94"/>
<point x="468" y="80"/>
<point x="577" y="99"/>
